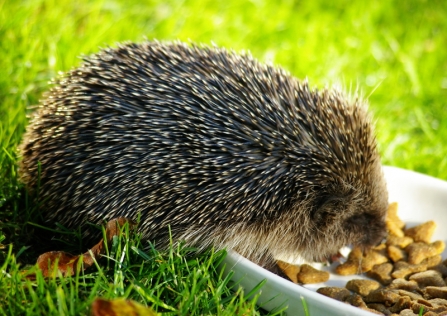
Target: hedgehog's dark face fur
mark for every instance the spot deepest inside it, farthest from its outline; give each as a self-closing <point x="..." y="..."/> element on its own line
<point x="225" y="150"/>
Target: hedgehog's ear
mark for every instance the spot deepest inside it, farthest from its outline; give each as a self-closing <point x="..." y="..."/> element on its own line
<point x="332" y="203"/>
<point x="327" y="204"/>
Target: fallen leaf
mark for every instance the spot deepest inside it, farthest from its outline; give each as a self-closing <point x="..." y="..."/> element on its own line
<point x="120" y="307"/>
<point x="66" y="263"/>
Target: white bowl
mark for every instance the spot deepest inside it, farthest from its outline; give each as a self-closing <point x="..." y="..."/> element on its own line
<point x="420" y="197"/>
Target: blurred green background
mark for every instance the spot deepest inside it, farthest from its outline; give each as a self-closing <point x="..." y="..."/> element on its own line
<point x="393" y="52"/>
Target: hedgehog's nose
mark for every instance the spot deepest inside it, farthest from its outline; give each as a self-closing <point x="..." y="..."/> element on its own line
<point x="375" y="235"/>
<point x="380" y="241"/>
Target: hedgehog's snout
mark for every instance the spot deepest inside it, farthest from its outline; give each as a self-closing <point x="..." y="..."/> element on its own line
<point x="369" y="228"/>
<point x="374" y="235"/>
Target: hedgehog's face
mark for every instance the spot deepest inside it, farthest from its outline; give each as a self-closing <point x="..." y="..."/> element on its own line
<point x="351" y="214"/>
<point x="367" y="223"/>
<point x="331" y="231"/>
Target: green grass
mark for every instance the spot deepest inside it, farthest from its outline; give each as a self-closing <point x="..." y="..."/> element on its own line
<point x="394" y="52"/>
<point x="177" y="282"/>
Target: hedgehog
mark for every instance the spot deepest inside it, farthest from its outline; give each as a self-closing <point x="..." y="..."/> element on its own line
<point x="220" y="148"/>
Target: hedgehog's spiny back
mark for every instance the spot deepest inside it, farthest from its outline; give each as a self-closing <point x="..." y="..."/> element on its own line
<point x="189" y="136"/>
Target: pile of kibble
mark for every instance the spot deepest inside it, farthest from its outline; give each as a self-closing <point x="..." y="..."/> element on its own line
<point x="407" y="273"/>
